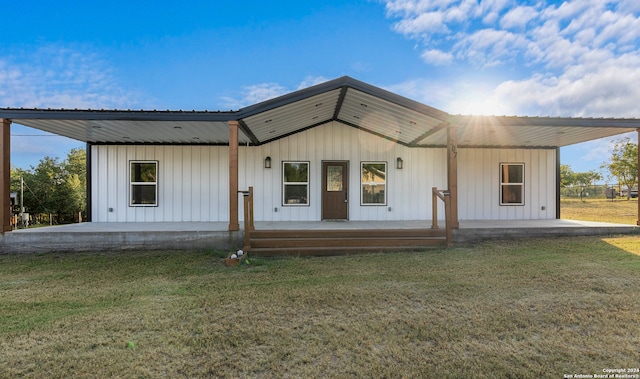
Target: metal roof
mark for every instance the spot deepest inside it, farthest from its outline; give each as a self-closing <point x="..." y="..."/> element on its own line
<point x="346" y="100"/>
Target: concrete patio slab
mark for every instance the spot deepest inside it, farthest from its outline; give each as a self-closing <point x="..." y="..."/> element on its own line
<point x="94" y="236"/>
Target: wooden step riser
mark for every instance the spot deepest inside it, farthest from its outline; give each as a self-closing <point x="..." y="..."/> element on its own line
<point x="342" y="242"/>
<point x="329" y="251"/>
<point x="400" y="233"/>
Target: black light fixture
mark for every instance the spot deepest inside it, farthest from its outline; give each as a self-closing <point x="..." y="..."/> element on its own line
<point x="267" y="162"/>
<point x="399" y="163"/>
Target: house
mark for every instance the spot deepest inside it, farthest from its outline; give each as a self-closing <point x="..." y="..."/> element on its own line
<point x="340" y="150"/>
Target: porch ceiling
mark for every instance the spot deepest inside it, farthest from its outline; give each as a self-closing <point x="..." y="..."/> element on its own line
<point x="529" y="132"/>
<point x="344" y="100"/>
<point x="130" y="131"/>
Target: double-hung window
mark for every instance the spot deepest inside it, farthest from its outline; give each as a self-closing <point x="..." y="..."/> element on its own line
<point x="374" y="183"/>
<point x="143" y="183"/>
<point x="295" y="183"/>
<point x="511" y="183"/>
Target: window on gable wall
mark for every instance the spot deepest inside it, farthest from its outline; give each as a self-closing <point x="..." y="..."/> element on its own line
<point x="295" y="183"/>
<point x="511" y="183"/>
<point x="374" y="183"/>
<point x="143" y="183"/>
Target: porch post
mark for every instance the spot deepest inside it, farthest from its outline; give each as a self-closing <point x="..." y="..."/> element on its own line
<point x="5" y="175"/>
<point x="88" y="173"/>
<point x="638" y="216"/>
<point x="452" y="173"/>
<point x="558" y="181"/>
<point x="233" y="176"/>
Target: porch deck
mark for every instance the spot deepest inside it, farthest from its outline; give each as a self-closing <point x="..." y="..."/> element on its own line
<point x="94" y="236"/>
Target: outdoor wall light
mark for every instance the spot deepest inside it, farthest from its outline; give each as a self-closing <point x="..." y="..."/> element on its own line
<point x="399" y="163"/>
<point x="267" y="162"/>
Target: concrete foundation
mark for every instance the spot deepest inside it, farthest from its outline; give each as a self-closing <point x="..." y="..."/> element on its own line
<point x="215" y="236"/>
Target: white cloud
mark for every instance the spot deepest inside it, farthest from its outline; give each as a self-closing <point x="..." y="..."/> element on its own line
<point x="619" y="29"/>
<point x="412" y="7"/>
<point x="437" y="57"/>
<point x="311" y="81"/>
<point x="254" y="94"/>
<point x="604" y="90"/>
<point x="569" y="9"/>
<point x="490" y="10"/>
<point x="262" y="92"/>
<point x="551" y="34"/>
<point x="630" y="6"/>
<point x="425" y="22"/>
<point x="60" y="77"/>
<point x="257" y="93"/>
<point x="55" y="76"/>
<point x="488" y="47"/>
<point x="518" y="18"/>
<point x="577" y="58"/>
<point x="461" y="13"/>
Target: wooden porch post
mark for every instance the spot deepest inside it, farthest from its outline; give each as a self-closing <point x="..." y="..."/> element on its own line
<point x="5" y="175"/>
<point x="452" y="173"/>
<point x="233" y="176"/>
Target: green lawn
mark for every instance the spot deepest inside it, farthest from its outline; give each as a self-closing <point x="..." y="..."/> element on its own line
<point x="620" y="211"/>
<point x="523" y="309"/>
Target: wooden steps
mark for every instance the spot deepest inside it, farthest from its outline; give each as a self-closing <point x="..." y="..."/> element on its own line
<point x="342" y="241"/>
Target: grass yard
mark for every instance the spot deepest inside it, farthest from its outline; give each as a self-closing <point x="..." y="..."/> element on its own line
<point x="527" y="309"/>
<point x="619" y="211"/>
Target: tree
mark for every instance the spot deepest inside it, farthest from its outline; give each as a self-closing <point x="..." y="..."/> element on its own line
<point x="582" y="180"/>
<point x="566" y="176"/>
<point x="55" y="187"/>
<point x="579" y="181"/>
<point x="623" y="163"/>
<point x="75" y="167"/>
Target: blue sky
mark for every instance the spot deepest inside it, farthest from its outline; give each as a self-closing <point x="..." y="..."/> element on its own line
<point x="577" y="58"/>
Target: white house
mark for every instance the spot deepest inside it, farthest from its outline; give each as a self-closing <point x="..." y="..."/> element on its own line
<point x="342" y="149"/>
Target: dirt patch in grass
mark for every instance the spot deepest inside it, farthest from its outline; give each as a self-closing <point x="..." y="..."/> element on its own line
<point x="530" y="308"/>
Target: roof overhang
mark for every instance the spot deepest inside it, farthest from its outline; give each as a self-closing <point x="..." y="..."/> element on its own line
<point x="344" y="100"/>
<point x="530" y="132"/>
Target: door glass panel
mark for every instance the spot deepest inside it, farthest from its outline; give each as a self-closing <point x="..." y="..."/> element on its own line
<point x="334" y="178"/>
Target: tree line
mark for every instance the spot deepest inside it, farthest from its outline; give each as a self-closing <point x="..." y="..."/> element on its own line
<point x="622" y="167"/>
<point x="53" y="187"/>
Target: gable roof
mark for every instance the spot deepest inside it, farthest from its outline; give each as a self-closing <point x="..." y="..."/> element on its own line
<point x="346" y="100"/>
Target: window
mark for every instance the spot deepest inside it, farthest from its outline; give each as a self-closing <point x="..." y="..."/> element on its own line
<point x="374" y="183"/>
<point x="511" y="183"/>
<point x="295" y="183"/>
<point x="144" y="183"/>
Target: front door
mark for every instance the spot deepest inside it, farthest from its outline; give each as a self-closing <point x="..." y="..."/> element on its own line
<point x="335" y="190"/>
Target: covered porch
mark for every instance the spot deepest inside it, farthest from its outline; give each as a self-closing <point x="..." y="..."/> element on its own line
<point x="347" y="102"/>
<point x="105" y="237"/>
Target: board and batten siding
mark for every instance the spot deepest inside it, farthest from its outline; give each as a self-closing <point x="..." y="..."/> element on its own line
<point x="193" y="180"/>
<point x="479" y="184"/>
<point x="193" y="183"/>
<point x="408" y="189"/>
